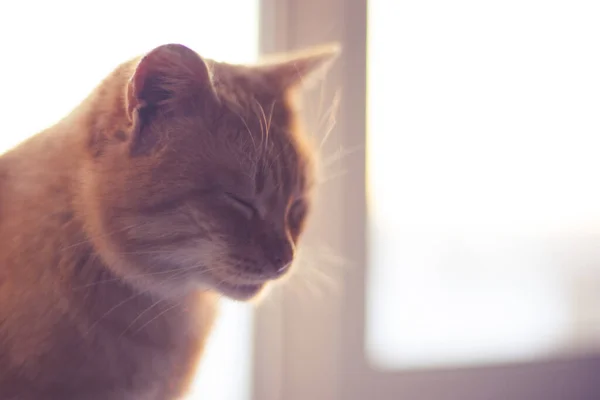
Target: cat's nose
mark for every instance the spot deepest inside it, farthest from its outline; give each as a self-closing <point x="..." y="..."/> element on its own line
<point x="280" y="257"/>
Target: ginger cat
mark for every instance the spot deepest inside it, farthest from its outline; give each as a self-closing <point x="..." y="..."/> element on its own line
<point x="179" y="179"/>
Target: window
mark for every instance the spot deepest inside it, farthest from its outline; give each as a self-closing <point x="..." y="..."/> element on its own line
<point x="54" y="53"/>
<point x="483" y="207"/>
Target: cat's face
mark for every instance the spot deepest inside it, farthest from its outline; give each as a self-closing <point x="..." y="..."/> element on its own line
<point x="208" y="185"/>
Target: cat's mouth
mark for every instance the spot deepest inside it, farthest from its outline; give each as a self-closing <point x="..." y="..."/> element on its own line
<point x="239" y="291"/>
<point x="237" y="286"/>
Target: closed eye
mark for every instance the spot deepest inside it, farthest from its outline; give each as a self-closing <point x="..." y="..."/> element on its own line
<point x="242" y="205"/>
<point x="296" y="214"/>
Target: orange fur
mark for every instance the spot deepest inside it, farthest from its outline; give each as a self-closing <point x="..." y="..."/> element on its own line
<point x="176" y="180"/>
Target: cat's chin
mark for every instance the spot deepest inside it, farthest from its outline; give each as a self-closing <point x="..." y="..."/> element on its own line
<point x="241" y="292"/>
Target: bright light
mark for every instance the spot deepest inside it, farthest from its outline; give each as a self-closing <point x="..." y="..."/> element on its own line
<point x="55" y="52"/>
<point x="484" y="132"/>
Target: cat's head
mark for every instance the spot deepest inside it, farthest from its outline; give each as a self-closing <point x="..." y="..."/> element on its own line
<point x="198" y="174"/>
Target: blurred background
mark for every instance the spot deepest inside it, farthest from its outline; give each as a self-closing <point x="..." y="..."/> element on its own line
<point x="454" y="252"/>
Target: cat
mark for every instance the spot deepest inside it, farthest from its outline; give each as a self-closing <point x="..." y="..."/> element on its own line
<point x="177" y="181"/>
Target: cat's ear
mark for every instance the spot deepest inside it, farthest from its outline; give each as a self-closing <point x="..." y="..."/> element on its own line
<point x="166" y="76"/>
<point x="299" y="68"/>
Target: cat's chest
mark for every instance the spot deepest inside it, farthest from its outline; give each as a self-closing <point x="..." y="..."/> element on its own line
<point x="144" y="370"/>
<point x="155" y="361"/>
<point x="140" y="347"/>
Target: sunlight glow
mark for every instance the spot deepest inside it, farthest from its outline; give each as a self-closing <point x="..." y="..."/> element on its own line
<point x="484" y="210"/>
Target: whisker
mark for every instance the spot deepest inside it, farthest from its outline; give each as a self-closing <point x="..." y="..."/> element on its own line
<point x="143" y="275"/>
<point x="331" y="177"/>
<point x="140" y="315"/>
<point x="248" y="130"/>
<point x="266" y="126"/>
<point x="340" y="154"/>
<point x="163" y="251"/>
<point x="316" y="280"/>
<point x="321" y="102"/>
<point x="270" y="119"/>
<point x="176" y="274"/>
<point x="87" y="240"/>
<point x="324" y="252"/>
<point x="262" y="127"/>
<point x="113" y="308"/>
<point x="331" y="118"/>
<point x="177" y="304"/>
<point x="121" y="279"/>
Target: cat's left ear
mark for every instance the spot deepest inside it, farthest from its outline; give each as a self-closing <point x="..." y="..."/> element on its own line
<point x="299" y="68"/>
<point x="166" y="77"/>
